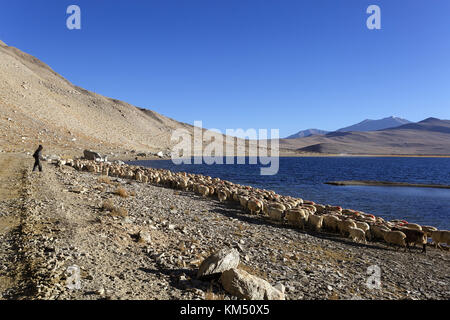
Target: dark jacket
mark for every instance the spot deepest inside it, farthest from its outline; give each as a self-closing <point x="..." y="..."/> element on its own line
<point x="38" y="154"/>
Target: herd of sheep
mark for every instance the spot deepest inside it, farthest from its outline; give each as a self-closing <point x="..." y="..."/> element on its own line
<point x="296" y="212"/>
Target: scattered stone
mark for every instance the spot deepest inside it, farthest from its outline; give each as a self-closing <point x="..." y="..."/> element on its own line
<point x="243" y="285"/>
<point x="144" y="237"/>
<point x="219" y="262"/>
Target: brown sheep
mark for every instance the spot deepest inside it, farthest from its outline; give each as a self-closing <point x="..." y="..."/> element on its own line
<point x="413" y="236"/>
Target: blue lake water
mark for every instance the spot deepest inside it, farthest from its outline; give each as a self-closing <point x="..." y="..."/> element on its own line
<point x="304" y="177"/>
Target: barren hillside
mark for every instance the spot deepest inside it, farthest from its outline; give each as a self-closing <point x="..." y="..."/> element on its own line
<point x="39" y="106"/>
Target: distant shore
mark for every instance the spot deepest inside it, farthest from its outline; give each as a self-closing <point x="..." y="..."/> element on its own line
<point x="384" y="184"/>
<point x="296" y="155"/>
<point x="126" y="159"/>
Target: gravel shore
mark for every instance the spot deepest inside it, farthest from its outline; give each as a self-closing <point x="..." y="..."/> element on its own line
<point x="55" y="221"/>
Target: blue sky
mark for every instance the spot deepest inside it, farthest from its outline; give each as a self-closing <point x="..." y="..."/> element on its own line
<point x="248" y="63"/>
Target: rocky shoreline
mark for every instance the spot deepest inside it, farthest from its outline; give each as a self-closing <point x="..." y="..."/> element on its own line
<point x="63" y="223"/>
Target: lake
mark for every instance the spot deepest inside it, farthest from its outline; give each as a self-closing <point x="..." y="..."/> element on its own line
<point x="304" y="177"/>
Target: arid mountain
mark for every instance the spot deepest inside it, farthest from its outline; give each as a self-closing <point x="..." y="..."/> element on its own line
<point x="307" y="133"/>
<point x="372" y="125"/>
<point x="38" y="106"/>
<point x="428" y="137"/>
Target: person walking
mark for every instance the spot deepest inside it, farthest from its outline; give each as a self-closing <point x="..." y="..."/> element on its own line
<point x="37" y="157"/>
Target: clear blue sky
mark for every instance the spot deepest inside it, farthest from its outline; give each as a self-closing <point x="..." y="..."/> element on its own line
<point x="248" y="63"/>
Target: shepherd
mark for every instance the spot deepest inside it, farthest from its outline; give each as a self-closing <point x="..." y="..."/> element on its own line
<point x="37" y="157"/>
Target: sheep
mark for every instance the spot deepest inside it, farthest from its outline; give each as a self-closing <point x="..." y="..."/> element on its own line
<point x="413" y="236"/>
<point x="369" y="217"/>
<point x="254" y="206"/>
<point x="320" y="208"/>
<point x="243" y="201"/>
<point x="363" y="226"/>
<point x="330" y="222"/>
<point x="297" y="217"/>
<point x="344" y="225"/>
<point x="357" y="234"/>
<point x="203" y="190"/>
<point x="394" y="238"/>
<point x="228" y="193"/>
<point x="376" y="231"/>
<point x="275" y="214"/>
<point x="221" y="194"/>
<point x="138" y="176"/>
<point x="428" y="230"/>
<point x="334" y="208"/>
<point x="265" y="208"/>
<point x="440" y="236"/>
<point x="312" y="209"/>
<point x="315" y="222"/>
<point x="413" y="226"/>
<point x="277" y="205"/>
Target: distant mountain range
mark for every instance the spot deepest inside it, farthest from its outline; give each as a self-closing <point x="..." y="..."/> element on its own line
<point x="363" y="126"/>
<point x="372" y="125"/>
<point x="427" y="137"/>
<point x="307" y="133"/>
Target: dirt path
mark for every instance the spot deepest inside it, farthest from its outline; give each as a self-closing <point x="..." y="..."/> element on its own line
<point x="12" y="171"/>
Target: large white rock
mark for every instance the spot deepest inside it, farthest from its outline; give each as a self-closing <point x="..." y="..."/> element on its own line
<point x="246" y="286"/>
<point x="219" y="262"/>
<point x="91" y="155"/>
<point x="160" y="154"/>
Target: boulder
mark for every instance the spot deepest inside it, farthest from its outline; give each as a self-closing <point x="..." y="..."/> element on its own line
<point x="91" y="155"/>
<point x="218" y="262"/>
<point x="160" y="154"/>
<point x="144" y="237"/>
<point x="246" y="286"/>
